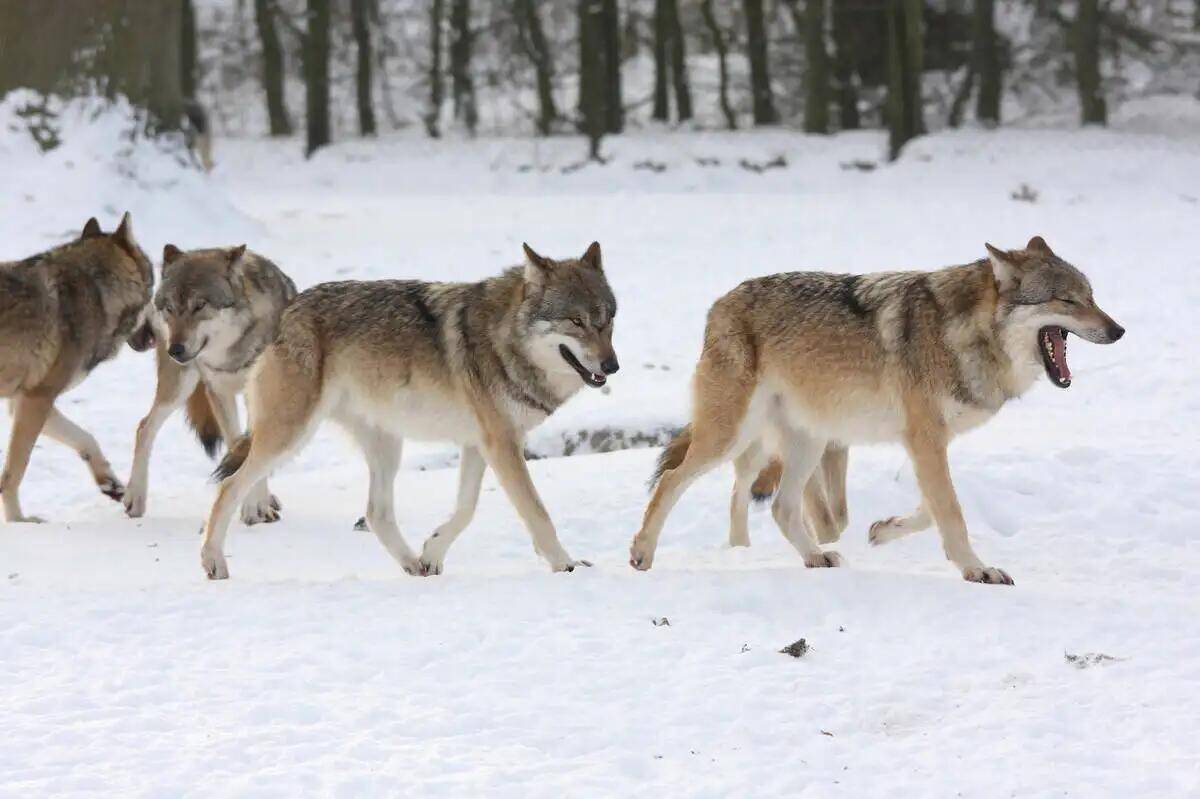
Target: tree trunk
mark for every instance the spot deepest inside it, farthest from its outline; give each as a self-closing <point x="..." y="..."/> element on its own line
<point x="462" y="84"/>
<point x="987" y="64"/>
<point x="360" y="13"/>
<point x="272" y="66"/>
<point x="662" y="110"/>
<point x="591" y="74"/>
<point x="683" y="93"/>
<point x="816" y="74"/>
<point x="614" y="110"/>
<point x="533" y="36"/>
<point x="843" y="67"/>
<point x="437" y="90"/>
<point x="316" y="76"/>
<point x="718" y="37"/>
<point x="904" y="104"/>
<point x="187" y="52"/>
<point x="760" y="78"/>
<point x="114" y="47"/>
<point x="1092" y="107"/>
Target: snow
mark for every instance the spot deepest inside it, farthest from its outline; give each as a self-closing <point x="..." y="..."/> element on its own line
<point x="321" y="669"/>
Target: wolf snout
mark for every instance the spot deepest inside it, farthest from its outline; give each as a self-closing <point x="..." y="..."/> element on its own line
<point x="1115" y="332"/>
<point x="178" y="352"/>
<point x="609" y="365"/>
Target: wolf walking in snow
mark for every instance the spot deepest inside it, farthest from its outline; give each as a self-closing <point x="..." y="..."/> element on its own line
<point x="479" y="364"/>
<point x="62" y="313"/>
<point x="792" y="362"/>
<point x="214" y="312"/>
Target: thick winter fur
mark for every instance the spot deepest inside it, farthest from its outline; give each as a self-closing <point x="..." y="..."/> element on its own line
<point x="214" y="313"/>
<point x="793" y="362"/>
<point x="479" y="364"/>
<point x="62" y="313"/>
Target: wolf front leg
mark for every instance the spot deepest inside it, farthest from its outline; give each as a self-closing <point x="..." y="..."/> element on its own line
<point x="175" y="383"/>
<point x="926" y="439"/>
<point x="29" y="417"/>
<point x="64" y="431"/>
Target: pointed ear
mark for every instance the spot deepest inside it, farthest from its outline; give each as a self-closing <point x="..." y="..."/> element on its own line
<point x="170" y="253"/>
<point x="536" y="266"/>
<point x="1004" y="266"/>
<point x="235" y="256"/>
<point x="91" y="229"/>
<point x="1039" y="245"/>
<point x="123" y="235"/>
<point x="591" y="258"/>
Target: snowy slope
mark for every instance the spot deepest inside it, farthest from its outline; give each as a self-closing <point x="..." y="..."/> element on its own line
<point x="320" y="669"/>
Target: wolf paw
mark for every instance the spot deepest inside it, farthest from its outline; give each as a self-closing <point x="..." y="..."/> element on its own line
<point x="884" y="530"/>
<point x="260" y="513"/>
<point x="570" y="565"/>
<point x="986" y="574"/>
<point x="134" y="501"/>
<point x="214" y="565"/>
<point x="111" y="487"/>
<point x="275" y="504"/>
<point x="641" y="555"/>
<point x="416" y="567"/>
<point x="824" y="560"/>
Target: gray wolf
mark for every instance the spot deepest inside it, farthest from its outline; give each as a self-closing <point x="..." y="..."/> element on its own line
<point x="62" y="313"/>
<point x="479" y="364"/>
<point x="792" y="362"/>
<point x="214" y="312"/>
<point x="198" y="132"/>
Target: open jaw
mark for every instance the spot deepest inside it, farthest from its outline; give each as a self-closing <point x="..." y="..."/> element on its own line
<point x="591" y="378"/>
<point x="1052" y="341"/>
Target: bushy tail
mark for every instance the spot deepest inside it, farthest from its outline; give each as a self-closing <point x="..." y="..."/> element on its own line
<point x="234" y="458"/>
<point x="673" y="454"/>
<point x="203" y="420"/>
<point x="767" y="482"/>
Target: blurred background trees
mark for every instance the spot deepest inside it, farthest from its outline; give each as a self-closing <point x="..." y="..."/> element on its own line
<point x="599" y="67"/>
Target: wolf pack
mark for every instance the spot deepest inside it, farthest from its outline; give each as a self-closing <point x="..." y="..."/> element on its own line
<point x="795" y="369"/>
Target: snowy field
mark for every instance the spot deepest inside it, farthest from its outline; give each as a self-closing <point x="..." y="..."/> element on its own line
<point x="321" y="669"/>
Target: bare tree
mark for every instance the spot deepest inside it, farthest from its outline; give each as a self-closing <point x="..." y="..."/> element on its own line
<point x="591" y="74"/>
<point x="437" y="89"/>
<point x="187" y="51"/>
<point x="360" y="12"/>
<point x="462" y="83"/>
<point x="1093" y="109"/>
<point x="316" y="76"/>
<point x="614" y="109"/>
<point x="986" y="64"/>
<point x="904" y="105"/>
<point x="843" y="65"/>
<point x="533" y="40"/>
<point x="272" y="66"/>
<point x="816" y="69"/>
<point x="670" y="56"/>
<point x="718" y="39"/>
<point x="760" y="77"/>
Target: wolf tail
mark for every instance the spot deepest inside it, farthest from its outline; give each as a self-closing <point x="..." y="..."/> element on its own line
<point x="238" y="452"/>
<point x="203" y="420"/>
<point x="767" y="482"/>
<point x="672" y="455"/>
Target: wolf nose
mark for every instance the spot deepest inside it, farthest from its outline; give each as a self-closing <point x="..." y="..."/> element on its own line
<point x="1115" y="332"/>
<point x="610" y="365"/>
<point x="175" y="351"/>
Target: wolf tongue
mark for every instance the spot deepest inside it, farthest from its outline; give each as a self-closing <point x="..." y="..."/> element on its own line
<point x="1060" y="354"/>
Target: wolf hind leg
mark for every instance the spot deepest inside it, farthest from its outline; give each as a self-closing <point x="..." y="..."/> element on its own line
<point x="825" y="496"/>
<point x="893" y="527"/>
<point x="29" y="417"/>
<point x="470" y="478"/>
<point x="64" y="431"/>
<point x="746" y="468"/>
<point x="802" y="455"/>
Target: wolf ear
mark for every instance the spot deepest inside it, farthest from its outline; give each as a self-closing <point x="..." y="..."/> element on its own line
<point x="591" y="258"/>
<point x="1005" y="267"/>
<point x="123" y="235"/>
<point x="235" y="257"/>
<point x="536" y="266"/>
<point x="170" y="253"/>
<point x="91" y="229"/>
<point x="1038" y="244"/>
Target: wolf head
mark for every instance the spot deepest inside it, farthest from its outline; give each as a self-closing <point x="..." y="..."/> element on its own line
<point x="1042" y="299"/>
<point x="121" y="250"/>
<point x="570" y="308"/>
<point x="197" y="297"/>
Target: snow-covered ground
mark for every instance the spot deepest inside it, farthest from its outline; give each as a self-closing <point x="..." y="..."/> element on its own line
<point x="321" y="669"/>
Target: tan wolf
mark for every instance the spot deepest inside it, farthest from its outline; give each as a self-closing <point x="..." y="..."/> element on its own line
<point x="62" y="313"/>
<point x="215" y="311"/>
<point x="794" y="361"/>
<point x="479" y="364"/>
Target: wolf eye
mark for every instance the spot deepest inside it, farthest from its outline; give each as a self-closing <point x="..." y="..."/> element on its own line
<point x="199" y="305"/>
<point x="1065" y="300"/>
<point x="575" y="320"/>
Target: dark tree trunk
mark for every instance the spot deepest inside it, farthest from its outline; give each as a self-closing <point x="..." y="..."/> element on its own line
<point x="683" y="93"/>
<point x="760" y="77"/>
<point x="591" y="74"/>
<point x="662" y="103"/>
<point x="670" y="55"/>
<point x="843" y="67"/>
<point x="462" y="83"/>
<point x="126" y="47"/>
<point x="316" y="76"/>
<point x="961" y="96"/>
<point x="437" y="90"/>
<point x="816" y="75"/>
<point x="533" y="38"/>
<point x="360" y="13"/>
<point x="1092" y="107"/>
<point x="187" y="51"/>
<point x="718" y="37"/>
<point x="987" y="64"/>
<point x="904" y="105"/>
<point x="272" y="66"/>
<point x="614" y="110"/>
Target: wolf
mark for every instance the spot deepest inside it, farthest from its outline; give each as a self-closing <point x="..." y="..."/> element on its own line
<point x="804" y="359"/>
<point x="479" y="364"/>
<point x="62" y="313"/>
<point x="214" y="312"/>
